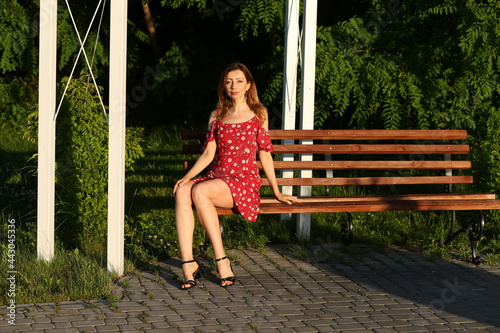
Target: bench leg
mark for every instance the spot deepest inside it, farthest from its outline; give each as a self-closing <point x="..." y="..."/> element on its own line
<point x="474" y="231"/>
<point x="205" y="246"/>
<point x="346" y="230"/>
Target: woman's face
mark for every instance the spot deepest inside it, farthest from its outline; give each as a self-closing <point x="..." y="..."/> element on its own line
<point x="236" y="84"/>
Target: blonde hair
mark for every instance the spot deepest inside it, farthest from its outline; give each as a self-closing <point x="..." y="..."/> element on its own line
<point x="225" y="102"/>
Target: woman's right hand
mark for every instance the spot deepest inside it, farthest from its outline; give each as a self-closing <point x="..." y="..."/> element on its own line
<point x="180" y="182"/>
<point x="285" y="198"/>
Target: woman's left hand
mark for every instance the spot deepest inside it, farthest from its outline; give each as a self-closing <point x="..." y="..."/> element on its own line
<point x="285" y="198"/>
<point x="180" y="182"/>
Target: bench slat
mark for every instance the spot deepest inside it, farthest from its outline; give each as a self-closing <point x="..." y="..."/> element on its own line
<point x="371" y="149"/>
<point x="369" y="165"/>
<point x="372" y="180"/>
<point x="191" y="149"/>
<point x="362" y="165"/>
<point x="440" y="196"/>
<point x="371" y="206"/>
<point x="351" y="134"/>
<point x="193" y="134"/>
<point x="368" y="134"/>
<point x="355" y="149"/>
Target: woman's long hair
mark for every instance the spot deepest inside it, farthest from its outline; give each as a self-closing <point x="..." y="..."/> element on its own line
<point x="225" y="102"/>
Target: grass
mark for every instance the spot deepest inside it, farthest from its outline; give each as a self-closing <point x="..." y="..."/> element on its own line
<point x="150" y="226"/>
<point x="69" y="276"/>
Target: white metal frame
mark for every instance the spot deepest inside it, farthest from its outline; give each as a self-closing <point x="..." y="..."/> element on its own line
<point x="47" y="137"/>
<point x="117" y="125"/>
<point x="46" y="129"/>
<point x="308" y="65"/>
<point x="117" y="113"/>
<point x="292" y="37"/>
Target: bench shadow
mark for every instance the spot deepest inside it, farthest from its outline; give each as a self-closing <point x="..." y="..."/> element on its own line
<point x="434" y="287"/>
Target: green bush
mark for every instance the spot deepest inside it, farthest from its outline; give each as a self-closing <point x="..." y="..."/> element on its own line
<point x="82" y="165"/>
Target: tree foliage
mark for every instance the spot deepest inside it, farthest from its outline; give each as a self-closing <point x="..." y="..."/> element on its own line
<point x="18" y="59"/>
<point x="416" y="65"/>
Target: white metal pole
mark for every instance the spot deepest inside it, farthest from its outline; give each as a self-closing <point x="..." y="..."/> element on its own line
<point x="117" y="115"/>
<point x="292" y="35"/>
<point x="46" y="129"/>
<point x="307" y="102"/>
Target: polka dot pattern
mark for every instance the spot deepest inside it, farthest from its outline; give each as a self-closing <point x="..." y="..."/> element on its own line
<point x="236" y="162"/>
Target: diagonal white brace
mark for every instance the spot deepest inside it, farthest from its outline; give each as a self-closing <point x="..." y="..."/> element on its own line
<point x="82" y="50"/>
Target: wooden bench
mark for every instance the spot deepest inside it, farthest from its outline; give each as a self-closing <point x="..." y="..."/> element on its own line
<point x="391" y="164"/>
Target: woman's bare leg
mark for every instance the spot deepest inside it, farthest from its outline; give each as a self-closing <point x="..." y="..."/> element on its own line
<point x="207" y="196"/>
<point x="184" y="221"/>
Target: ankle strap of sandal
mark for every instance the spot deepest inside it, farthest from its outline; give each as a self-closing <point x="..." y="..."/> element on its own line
<point x="187" y="262"/>
<point x="221" y="258"/>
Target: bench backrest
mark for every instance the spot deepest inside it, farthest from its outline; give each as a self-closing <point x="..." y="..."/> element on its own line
<point x="364" y="157"/>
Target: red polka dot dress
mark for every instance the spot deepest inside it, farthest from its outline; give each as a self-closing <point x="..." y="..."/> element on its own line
<point x="236" y="162"/>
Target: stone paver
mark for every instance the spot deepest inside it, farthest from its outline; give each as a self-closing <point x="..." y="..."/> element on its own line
<point x="397" y="290"/>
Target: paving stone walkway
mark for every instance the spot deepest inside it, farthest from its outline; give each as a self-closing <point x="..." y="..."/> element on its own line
<point x="397" y="290"/>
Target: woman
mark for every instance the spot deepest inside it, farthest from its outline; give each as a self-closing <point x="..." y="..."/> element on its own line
<point x="237" y="132"/>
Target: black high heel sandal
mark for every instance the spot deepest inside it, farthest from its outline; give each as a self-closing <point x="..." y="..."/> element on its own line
<point x="231" y="279"/>
<point x="196" y="275"/>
